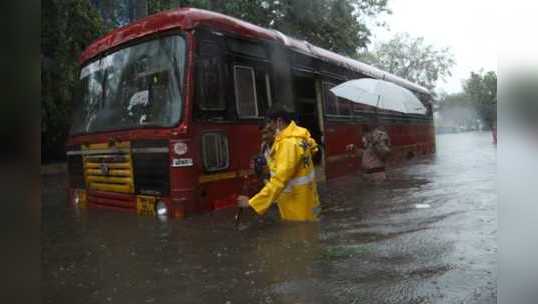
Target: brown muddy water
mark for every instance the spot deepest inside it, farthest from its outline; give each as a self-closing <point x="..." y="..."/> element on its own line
<point x="428" y="235"/>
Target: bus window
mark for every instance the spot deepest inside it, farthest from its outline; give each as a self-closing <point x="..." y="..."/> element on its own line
<point x="210" y="84"/>
<point x="215" y="151"/>
<point x="334" y="105"/>
<point x="245" y="92"/>
<point x="247" y="48"/>
<point x="268" y="88"/>
<point x="330" y="99"/>
<point x="263" y="91"/>
<point x="427" y="102"/>
<point x="344" y="107"/>
<point x="209" y="73"/>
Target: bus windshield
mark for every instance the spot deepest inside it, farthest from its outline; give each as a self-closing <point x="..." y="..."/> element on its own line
<point x="135" y="87"/>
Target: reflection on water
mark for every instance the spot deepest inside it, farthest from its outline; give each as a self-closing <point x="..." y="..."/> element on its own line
<point x="373" y="244"/>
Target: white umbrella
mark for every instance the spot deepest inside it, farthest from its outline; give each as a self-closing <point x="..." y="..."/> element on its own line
<point x="381" y="94"/>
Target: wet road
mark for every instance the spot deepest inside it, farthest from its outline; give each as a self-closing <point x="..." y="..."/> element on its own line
<point x="428" y="235"/>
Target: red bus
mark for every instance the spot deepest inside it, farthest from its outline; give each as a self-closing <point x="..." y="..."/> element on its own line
<point x="168" y="115"/>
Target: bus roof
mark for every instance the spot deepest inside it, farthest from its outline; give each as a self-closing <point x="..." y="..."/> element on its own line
<point x="189" y="18"/>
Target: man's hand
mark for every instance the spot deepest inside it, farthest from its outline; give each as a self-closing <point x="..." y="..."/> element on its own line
<point x="242" y="201"/>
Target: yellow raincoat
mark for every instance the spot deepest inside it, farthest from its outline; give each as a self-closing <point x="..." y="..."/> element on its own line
<point x="293" y="183"/>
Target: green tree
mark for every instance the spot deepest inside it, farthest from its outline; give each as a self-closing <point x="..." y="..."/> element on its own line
<point x="114" y="13"/>
<point x="413" y="59"/>
<point x="67" y="28"/>
<point x="456" y="110"/>
<point x="481" y="89"/>
<point x="337" y="25"/>
<point x="477" y="101"/>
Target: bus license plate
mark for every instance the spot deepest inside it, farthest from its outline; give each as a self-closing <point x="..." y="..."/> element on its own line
<point x="145" y="205"/>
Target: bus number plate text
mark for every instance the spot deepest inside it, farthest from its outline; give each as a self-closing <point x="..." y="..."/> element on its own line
<point x="182" y="162"/>
<point x="145" y="205"/>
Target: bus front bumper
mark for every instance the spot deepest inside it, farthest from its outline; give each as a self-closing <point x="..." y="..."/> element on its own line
<point x="139" y="204"/>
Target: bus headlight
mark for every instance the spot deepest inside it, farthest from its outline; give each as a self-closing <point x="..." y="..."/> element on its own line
<point x="161" y="209"/>
<point x="79" y="198"/>
<point x="180" y="148"/>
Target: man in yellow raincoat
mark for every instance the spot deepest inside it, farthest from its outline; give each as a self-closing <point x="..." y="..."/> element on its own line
<point x="292" y="184"/>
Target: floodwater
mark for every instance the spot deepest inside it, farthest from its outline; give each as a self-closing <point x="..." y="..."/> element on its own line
<point x="428" y="235"/>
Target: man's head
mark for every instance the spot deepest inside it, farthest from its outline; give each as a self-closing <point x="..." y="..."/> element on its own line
<point x="278" y="117"/>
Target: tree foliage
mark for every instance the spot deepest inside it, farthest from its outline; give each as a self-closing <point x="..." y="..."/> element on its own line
<point x="116" y="13"/>
<point x="481" y="89"/>
<point x="337" y="25"/>
<point x="67" y="28"/>
<point x="332" y="24"/>
<point x="477" y="101"/>
<point x="456" y="110"/>
<point x="413" y="59"/>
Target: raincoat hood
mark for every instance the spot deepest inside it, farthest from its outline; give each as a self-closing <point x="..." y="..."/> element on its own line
<point x="294" y="131"/>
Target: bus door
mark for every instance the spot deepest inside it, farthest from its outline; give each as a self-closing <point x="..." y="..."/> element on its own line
<point x="212" y="130"/>
<point x="321" y="166"/>
<point x="306" y="98"/>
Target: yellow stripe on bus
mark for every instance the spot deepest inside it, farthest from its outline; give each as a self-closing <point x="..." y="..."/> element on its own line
<point x="109" y="179"/>
<point x="119" y="173"/>
<point x="102" y="146"/>
<point x="225" y="175"/>
<point x="91" y="165"/>
<point x="111" y="187"/>
<point x="216" y="177"/>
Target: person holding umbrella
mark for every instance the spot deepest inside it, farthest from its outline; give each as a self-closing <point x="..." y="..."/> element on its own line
<point x="292" y="182"/>
<point x="376" y="143"/>
<point x="382" y="95"/>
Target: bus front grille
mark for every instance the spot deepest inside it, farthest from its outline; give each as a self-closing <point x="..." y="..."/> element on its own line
<point x="108" y="169"/>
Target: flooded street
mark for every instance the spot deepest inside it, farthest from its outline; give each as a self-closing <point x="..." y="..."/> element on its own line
<point x="428" y="235"/>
